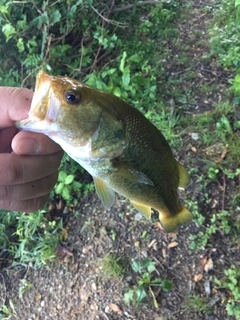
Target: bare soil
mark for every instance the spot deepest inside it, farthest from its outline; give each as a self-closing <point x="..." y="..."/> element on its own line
<point x="77" y="288"/>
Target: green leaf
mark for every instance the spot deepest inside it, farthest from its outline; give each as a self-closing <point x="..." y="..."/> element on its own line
<point x="237" y="3"/>
<point x="3" y="9"/>
<point x="149" y="265"/>
<point x="136" y="266"/>
<point x="20" y="45"/>
<point x="108" y="72"/>
<point x="156" y="282"/>
<point x="76" y="185"/>
<point x="145" y="279"/>
<point x="126" y="77"/>
<point x="62" y="176"/>
<point x="66" y="193"/>
<point x="69" y="179"/>
<point x="135" y="58"/>
<point x="167" y="285"/>
<point x="122" y="63"/>
<point x="59" y="188"/>
<point x="141" y="293"/>
<point x="55" y="17"/>
<point x="117" y="91"/>
<point x="8" y="30"/>
<point x="40" y="20"/>
<point x="128" y="296"/>
<point x="237" y="78"/>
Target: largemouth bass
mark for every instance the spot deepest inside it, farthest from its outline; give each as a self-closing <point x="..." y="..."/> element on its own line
<point x="114" y="142"/>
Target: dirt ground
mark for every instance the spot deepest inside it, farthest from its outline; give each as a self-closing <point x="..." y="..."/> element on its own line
<point x="77" y="288"/>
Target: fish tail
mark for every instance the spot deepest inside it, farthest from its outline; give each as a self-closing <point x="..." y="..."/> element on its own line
<point x="170" y="222"/>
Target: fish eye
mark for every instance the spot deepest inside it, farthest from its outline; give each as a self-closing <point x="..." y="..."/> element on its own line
<point x="72" y="97"/>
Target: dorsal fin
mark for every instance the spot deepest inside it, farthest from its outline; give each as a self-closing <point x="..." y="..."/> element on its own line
<point x="184" y="177"/>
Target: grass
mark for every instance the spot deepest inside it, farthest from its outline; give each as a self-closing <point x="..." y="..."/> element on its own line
<point x="140" y="76"/>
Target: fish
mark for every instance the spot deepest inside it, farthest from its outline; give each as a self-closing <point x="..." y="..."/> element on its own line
<point x="122" y="150"/>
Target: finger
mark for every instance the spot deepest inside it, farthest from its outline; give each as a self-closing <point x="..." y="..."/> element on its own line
<point x="33" y="143"/>
<point x="30" y="205"/>
<point x="6" y="135"/>
<point x="29" y="190"/>
<point x="15" y="104"/>
<point x="16" y="169"/>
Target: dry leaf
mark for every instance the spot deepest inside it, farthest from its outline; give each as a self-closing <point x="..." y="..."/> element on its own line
<point x="137" y="244"/>
<point x="194" y="149"/>
<point x="164" y="253"/>
<point x="223" y="155"/>
<point x="173" y="235"/>
<point x="38" y="297"/>
<point x="63" y="252"/>
<point x="197" y="277"/>
<point x="152" y="243"/>
<point x="172" y="244"/>
<point x="154" y="299"/>
<point x="158" y="225"/>
<point x="115" y="308"/>
<point x="2" y="291"/>
<point x="208" y="265"/>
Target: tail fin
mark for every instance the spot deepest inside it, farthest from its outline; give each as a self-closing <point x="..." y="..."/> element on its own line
<point x="170" y="223"/>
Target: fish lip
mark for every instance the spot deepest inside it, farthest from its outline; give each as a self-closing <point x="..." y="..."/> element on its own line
<point x="44" y="108"/>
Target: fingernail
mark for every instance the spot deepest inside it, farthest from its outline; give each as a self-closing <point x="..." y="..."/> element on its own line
<point x="27" y="146"/>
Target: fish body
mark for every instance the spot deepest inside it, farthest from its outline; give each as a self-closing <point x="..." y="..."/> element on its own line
<point x="114" y="142"/>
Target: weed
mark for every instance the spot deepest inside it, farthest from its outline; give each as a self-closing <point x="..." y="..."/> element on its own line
<point x="231" y="281"/>
<point x="195" y="303"/>
<point x="220" y="221"/>
<point x="66" y="185"/>
<point x="35" y="238"/>
<point x="111" y="267"/>
<point x="145" y="270"/>
<point x="193" y="207"/>
<point x="24" y="287"/>
<point x="7" y="313"/>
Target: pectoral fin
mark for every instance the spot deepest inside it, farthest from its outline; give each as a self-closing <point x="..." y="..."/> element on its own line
<point x="184" y="177"/>
<point x="130" y="173"/>
<point x="105" y="193"/>
<point x="146" y="211"/>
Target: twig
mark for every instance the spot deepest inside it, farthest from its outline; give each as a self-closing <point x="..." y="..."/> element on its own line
<point x="224" y="191"/>
<point x="140" y="3"/>
<point x="119" y="24"/>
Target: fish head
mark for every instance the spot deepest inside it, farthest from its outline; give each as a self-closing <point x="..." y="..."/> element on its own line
<point x="61" y="107"/>
<point x="72" y="114"/>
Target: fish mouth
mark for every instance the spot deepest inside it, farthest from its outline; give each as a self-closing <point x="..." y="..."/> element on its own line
<point x="44" y="107"/>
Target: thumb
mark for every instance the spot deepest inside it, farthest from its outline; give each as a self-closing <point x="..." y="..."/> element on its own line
<point x="14" y="105"/>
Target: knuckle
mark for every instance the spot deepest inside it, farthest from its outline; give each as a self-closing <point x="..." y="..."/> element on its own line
<point x="48" y="183"/>
<point x="13" y="174"/>
<point x="35" y="204"/>
<point x="5" y="192"/>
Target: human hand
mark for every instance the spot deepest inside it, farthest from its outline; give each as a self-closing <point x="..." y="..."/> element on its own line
<point x="28" y="161"/>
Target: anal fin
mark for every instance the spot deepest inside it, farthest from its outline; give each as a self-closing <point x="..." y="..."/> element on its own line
<point x="146" y="211"/>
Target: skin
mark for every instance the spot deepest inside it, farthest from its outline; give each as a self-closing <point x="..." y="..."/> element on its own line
<point x="28" y="161"/>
